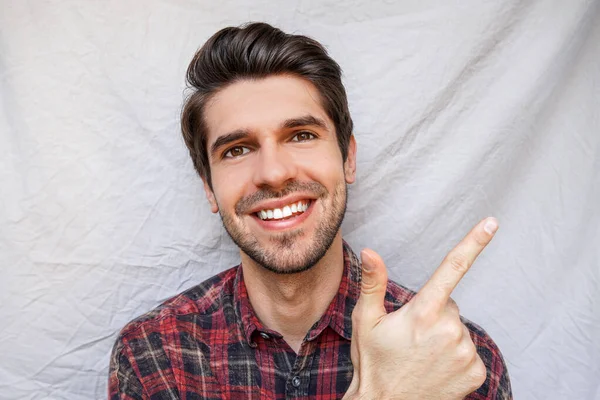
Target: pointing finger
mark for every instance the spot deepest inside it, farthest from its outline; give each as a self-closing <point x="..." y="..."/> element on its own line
<point x="439" y="287"/>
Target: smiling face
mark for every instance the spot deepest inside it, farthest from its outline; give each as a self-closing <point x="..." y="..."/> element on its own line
<point x="279" y="181"/>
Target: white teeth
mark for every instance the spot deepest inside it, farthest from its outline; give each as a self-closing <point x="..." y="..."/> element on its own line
<point x="287" y="211"/>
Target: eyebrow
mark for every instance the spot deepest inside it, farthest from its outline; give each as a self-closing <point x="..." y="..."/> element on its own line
<point x="306" y="120"/>
<point x="228" y="138"/>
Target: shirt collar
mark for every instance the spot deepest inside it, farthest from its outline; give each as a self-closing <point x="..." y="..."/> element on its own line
<point x="338" y="315"/>
<point x="246" y="318"/>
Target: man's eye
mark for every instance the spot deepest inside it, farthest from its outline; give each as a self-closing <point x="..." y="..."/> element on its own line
<point x="236" y="152"/>
<point x="304" y="136"/>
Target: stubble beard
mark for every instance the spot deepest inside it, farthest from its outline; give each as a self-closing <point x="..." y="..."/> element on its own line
<point x="291" y="252"/>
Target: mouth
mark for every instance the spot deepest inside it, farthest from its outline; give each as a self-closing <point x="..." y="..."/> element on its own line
<point x="286" y="212"/>
<point x="286" y="216"/>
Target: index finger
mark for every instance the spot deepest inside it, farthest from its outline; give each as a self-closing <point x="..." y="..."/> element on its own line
<point x="439" y="287"/>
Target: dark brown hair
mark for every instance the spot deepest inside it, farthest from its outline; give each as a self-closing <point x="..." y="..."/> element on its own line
<point x="255" y="51"/>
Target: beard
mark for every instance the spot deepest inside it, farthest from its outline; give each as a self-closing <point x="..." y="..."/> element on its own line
<point x="289" y="252"/>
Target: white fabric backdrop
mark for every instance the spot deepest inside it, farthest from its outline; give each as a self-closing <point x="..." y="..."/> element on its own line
<point x="462" y="110"/>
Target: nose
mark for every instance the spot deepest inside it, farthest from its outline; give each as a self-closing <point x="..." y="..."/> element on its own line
<point x="274" y="167"/>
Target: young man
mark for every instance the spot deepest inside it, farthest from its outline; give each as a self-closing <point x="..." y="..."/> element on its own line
<point x="270" y="134"/>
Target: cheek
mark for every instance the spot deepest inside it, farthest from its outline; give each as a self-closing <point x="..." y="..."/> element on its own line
<point x="322" y="166"/>
<point x="229" y="187"/>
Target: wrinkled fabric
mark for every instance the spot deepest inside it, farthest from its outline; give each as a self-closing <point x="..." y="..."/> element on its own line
<point x="462" y="110"/>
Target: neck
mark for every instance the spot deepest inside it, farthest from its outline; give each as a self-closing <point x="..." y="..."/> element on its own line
<point x="291" y="303"/>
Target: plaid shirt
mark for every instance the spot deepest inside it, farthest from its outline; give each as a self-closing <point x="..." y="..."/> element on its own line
<point x="207" y="343"/>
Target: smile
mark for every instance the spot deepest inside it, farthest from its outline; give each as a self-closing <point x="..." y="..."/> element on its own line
<point x="288" y="211"/>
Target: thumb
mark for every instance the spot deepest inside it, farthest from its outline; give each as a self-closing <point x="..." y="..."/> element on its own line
<point x="373" y="287"/>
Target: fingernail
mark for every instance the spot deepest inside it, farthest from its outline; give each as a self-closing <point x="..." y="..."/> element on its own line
<point x="365" y="265"/>
<point x="491" y="226"/>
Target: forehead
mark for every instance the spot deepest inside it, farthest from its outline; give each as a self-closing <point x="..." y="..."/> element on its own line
<point x="261" y="105"/>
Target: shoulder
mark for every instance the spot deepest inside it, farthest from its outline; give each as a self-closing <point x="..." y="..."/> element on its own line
<point x="175" y="331"/>
<point x="497" y="384"/>
<point x="203" y="299"/>
<point x="198" y="310"/>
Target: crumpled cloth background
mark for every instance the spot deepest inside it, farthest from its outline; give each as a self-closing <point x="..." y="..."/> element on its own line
<point x="462" y="110"/>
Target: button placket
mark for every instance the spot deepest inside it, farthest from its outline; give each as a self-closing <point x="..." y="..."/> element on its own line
<point x="299" y="376"/>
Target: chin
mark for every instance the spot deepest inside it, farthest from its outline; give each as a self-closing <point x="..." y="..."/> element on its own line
<point x="284" y="254"/>
<point x="294" y="251"/>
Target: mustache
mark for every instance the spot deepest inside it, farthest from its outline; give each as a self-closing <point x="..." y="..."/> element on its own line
<point x="248" y="202"/>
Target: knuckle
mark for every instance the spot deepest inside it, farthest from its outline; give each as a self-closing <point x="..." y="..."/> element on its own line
<point x="454" y="332"/>
<point x="370" y="287"/>
<point x="422" y="316"/>
<point x="465" y="354"/>
<point x="459" y="262"/>
<point x="467" y="333"/>
<point x="478" y="373"/>
<point x="451" y="305"/>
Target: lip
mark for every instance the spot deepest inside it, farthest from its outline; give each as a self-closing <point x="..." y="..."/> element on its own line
<point x="282" y="202"/>
<point x="282" y="224"/>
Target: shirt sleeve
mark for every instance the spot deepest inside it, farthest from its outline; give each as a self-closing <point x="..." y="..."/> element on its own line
<point x="123" y="382"/>
<point x="497" y="383"/>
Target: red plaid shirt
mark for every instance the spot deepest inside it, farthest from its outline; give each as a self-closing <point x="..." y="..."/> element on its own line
<point x="207" y="343"/>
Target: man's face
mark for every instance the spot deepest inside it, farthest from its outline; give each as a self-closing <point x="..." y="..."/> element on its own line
<point x="279" y="181"/>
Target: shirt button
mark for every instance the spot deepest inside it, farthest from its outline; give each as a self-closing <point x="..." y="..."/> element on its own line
<point x="265" y="335"/>
<point x="296" y="381"/>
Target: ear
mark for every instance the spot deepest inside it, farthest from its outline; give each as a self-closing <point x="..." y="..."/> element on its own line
<point x="350" y="163"/>
<point x="210" y="196"/>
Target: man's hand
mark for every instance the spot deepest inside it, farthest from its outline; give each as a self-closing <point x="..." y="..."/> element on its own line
<point x="422" y="350"/>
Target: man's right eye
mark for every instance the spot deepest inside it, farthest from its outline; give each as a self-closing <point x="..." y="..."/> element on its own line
<point x="236" y="151"/>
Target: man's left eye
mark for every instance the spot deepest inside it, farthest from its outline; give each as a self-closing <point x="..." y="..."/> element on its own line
<point x="303" y="136"/>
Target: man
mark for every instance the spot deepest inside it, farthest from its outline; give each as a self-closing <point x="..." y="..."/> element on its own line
<point x="270" y="134"/>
